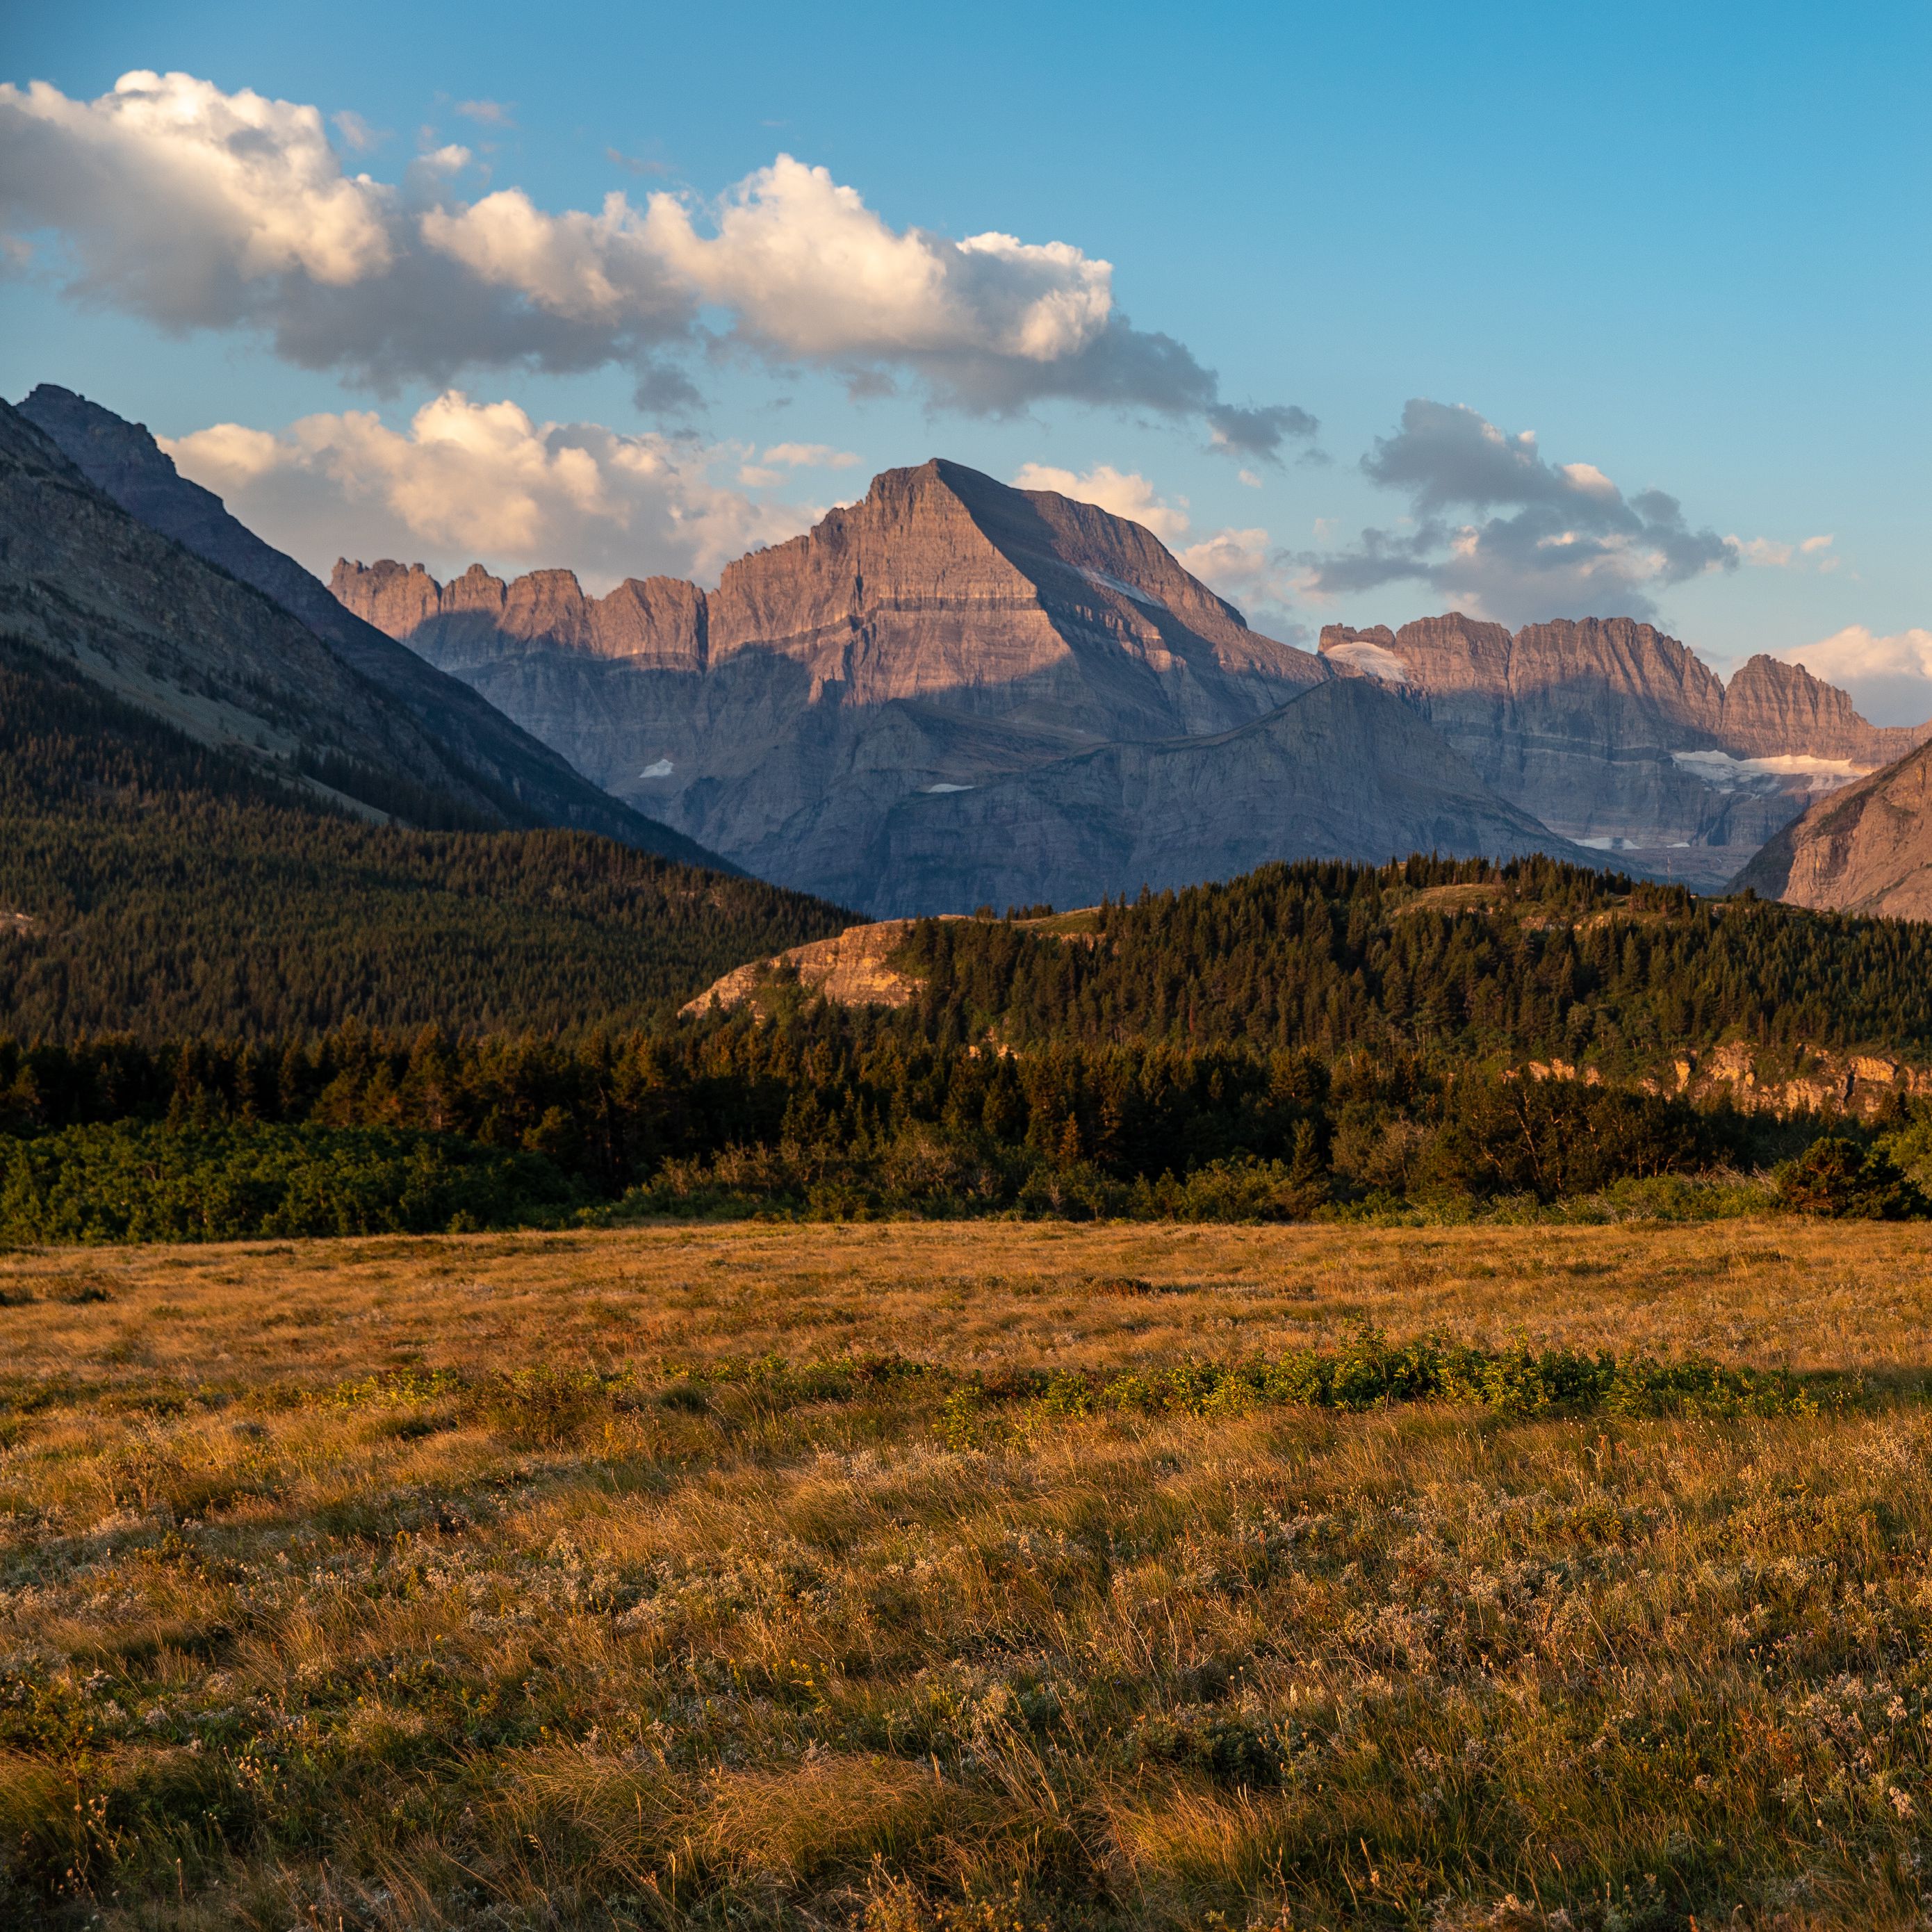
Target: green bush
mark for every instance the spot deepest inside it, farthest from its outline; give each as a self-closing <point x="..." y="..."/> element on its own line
<point x="1836" y="1178"/>
<point x="127" y="1181"/>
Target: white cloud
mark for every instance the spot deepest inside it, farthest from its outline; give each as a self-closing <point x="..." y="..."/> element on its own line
<point x="481" y="480"/>
<point x="1889" y="676"/>
<point x="1856" y="652"/>
<point x="590" y="268"/>
<point x="807" y="267"/>
<point x="1773" y="554"/>
<point x="357" y="134"/>
<point x="810" y="456"/>
<point x="1126" y="492"/>
<point x="176" y="195"/>
<point x="201" y="209"/>
<point x="486" y="113"/>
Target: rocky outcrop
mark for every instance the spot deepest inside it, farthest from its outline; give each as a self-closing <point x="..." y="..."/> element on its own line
<point x="525" y="780"/>
<point x="1616" y="735"/>
<point x="1805" y="1080"/>
<point x="852" y="968"/>
<point x="1867" y="849"/>
<point x="1772" y="708"/>
<point x="845" y="707"/>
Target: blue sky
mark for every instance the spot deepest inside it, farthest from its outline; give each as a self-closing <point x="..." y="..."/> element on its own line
<point x="1685" y="247"/>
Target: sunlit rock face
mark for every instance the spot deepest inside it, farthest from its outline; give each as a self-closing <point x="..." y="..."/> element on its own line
<point x="953" y="692"/>
<point x="1867" y="848"/>
<point x="1615" y="736"/>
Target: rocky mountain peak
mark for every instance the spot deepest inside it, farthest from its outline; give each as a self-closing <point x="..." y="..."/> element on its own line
<point x="518" y="777"/>
<point x="941" y="581"/>
<point x="1615" y="734"/>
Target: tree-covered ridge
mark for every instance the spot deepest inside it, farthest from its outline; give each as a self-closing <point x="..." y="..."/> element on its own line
<point x="1451" y="959"/>
<point x="150" y="885"/>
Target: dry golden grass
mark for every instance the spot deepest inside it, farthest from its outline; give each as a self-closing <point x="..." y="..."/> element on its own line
<point x="433" y="1582"/>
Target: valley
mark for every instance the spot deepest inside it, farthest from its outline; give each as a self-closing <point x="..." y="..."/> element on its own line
<point x="964" y="973"/>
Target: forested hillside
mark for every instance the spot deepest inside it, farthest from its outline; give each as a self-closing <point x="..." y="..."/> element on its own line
<point x="150" y="885"/>
<point x="327" y="1025"/>
<point x="1450" y="959"/>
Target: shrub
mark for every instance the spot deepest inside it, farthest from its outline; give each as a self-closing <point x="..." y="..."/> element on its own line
<point x="130" y="1181"/>
<point x="1836" y="1178"/>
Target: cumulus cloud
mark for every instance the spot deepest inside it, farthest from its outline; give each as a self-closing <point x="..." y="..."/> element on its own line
<point x="1888" y="675"/>
<point x="1126" y="492"/>
<point x="198" y="208"/>
<point x="469" y="481"/>
<point x="178" y="199"/>
<point x="1495" y="528"/>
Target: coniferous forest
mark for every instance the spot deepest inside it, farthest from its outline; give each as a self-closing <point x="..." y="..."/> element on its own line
<point x="227" y="1007"/>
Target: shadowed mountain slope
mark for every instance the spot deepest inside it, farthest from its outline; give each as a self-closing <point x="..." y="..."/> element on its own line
<point x="86" y="583"/>
<point x="154" y="885"/>
<point x="525" y="781"/>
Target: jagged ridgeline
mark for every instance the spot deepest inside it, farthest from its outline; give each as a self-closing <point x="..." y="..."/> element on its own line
<point x="153" y="885"/>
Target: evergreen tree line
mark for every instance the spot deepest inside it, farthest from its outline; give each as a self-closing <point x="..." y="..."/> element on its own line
<point x="831" y="1112"/>
<point x="1446" y="957"/>
<point x="231" y="1010"/>
<point x="154" y="886"/>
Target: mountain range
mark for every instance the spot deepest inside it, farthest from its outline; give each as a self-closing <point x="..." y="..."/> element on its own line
<point x="951" y="694"/>
<point x="954" y="692"/>
<point x="1618" y="737"/>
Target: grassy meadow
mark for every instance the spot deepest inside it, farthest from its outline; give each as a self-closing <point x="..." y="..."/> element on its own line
<point x="951" y="1576"/>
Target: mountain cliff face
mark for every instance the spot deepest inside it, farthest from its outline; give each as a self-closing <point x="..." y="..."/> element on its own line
<point x="1617" y="736"/>
<point x="826" y="715"/>
<point x="1867" y="849"/>
<point x="527" y="781"/>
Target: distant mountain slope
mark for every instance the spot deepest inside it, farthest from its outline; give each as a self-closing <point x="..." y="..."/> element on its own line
<point x="1867" y="849"/>
<point x="531" y="783"/>
<point x="156" y="885"/>
<point x="823" y="715"/>
<point x="1615" y="735"/>
<point x="1352" y="775"/>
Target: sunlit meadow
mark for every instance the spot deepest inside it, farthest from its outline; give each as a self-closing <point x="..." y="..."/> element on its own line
<point x="963" y="1577"/>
